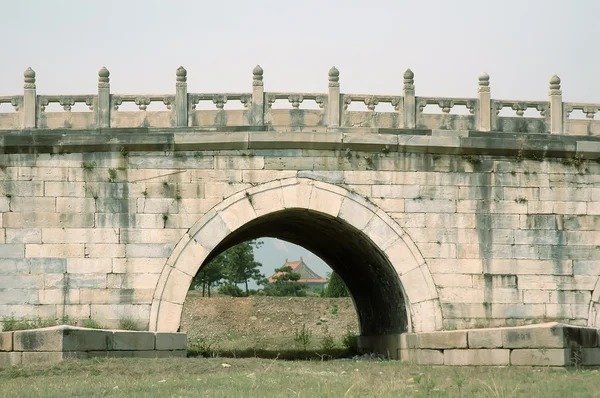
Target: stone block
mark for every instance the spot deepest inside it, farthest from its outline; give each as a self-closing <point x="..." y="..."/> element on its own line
<point x="484" y="338"/>
<point x="133" y="341"/>
<point x="442" y="340"/>
<point x="104" y="250"/>
<point x="590" y="356"/>
<point x="23" y="235"/>
<point x="477" y="357"/>
<point x="549" y="335"/>
<point x="65" y="250"/>
<point x="170" y="341"/>
<point x="428" y="357"/>
<point x="6" y="341"/>
<point x="408" y="341"/>
<point x="62" y="338"/>
<point x="48" y="358"/>
<point x="8" y="359"/>
<point x="541" y="357"/>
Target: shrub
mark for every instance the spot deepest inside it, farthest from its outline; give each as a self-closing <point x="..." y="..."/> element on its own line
<point x="303" y="337"/>
<point x="350" y="341"/>
<point x="327" y="343"/>
<point x="91" y="324"/>
<point x="11" y="323"/>
<point x="336" y="287"/>
<point x="229" y="289"/>
<point x="127" y="323"/>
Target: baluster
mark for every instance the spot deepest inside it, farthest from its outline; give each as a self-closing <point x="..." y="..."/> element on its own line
<point x="556" y="104"/>
<point x="333" y="102"/>
<point x="29" y="100"/>
<point x="103" y="112"/>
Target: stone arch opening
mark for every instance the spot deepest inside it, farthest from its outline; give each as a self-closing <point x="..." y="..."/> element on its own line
<point x="388" y="279"/>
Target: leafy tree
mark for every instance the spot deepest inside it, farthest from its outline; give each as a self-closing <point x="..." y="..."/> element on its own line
<point x="235" y="265"/>
<point x="240" y="265"/>
<point x="209" y="275"/>
<point x="336" y="287"/>
<point x="286" y="284"/>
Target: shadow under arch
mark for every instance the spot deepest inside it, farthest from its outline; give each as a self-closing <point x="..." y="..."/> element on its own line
<point x="388" y="279"/>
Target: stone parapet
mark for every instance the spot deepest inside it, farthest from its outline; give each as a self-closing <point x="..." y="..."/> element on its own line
<point x="289" y="110"/>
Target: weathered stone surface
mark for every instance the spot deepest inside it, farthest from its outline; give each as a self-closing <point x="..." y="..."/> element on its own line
<point x="551" y="335"/>
<point x="8" y="359"/>
<point x="485" y="338"/>
<point x="6" y="341"/>
<point x="49" y="357"/>
<point x="132" y="341"/>
<point x="477" y="357"/>
<point x="62" y="338"/>
<point x="428" y="357"/>
<point x="440" y="340"/>
<point x="171" y="341"/>
<point x="540" y="357"/>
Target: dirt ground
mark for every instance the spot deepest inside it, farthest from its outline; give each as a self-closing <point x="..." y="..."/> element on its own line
<point x="265" y="322"/>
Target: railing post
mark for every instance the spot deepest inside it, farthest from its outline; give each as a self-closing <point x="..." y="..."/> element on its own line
<point x="181" y="98"/>
<point x="333" y="102"/>
<point x="485" y="103"/>
<point x="410" y="121"/>
<point x="556" y="106"/>
<point x="103" y="110"/>
<point x="29" y="100"/>
<point x="257" y="110"/>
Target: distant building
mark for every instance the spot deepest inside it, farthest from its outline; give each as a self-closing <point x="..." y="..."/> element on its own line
<point x="307" y="275"/>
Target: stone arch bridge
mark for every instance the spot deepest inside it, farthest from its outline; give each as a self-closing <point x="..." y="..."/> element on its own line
<point x="436" y="219"/>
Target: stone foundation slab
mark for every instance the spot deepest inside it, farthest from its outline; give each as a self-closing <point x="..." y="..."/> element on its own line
<point x="549" y="344"/>
<point x="53" y="344"/>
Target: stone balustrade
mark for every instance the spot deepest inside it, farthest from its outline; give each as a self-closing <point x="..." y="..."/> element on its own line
<point x="333" y="109"/>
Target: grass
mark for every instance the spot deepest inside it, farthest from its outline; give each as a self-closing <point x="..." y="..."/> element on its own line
<point x="174" y="377"/>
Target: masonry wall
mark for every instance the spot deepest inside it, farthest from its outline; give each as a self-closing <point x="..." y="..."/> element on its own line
<point x="508" y="241"/>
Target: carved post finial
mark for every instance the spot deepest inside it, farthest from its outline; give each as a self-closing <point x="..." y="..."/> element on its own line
<point x="257" y="76"/>
<point x="103" y="77"/>
<point x="29" y="76"/>
<point x="484" y="80"/>
<point x="554" y="84"/>
<point x="334" y="77"/>
<point x="556" y="106"/>
<point x="409" y="79"/>
<point x="181" y="74"/>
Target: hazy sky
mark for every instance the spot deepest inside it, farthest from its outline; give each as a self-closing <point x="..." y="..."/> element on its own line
<point x="520" y="43"/>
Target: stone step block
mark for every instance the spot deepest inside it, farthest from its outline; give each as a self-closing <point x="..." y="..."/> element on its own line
<point x="485" y="338"/>
<point x="131" y="340"/>
<point x="62" y="339"/>
<point x="441" y="340"/>
<point x="549" y="335"/>
<point x="476" y="357"/>
<point x="590" y="356"/>
<point x="541" y="357"/>
<point x="6" y="341"/>
<point x="171" y="341"/>
<point x="8" y="359"/>
<point x="427" y="357"/>
<point x="49" y="357"/>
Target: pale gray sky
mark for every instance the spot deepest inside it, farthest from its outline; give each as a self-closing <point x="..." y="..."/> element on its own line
<point x="520" y="43"/>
